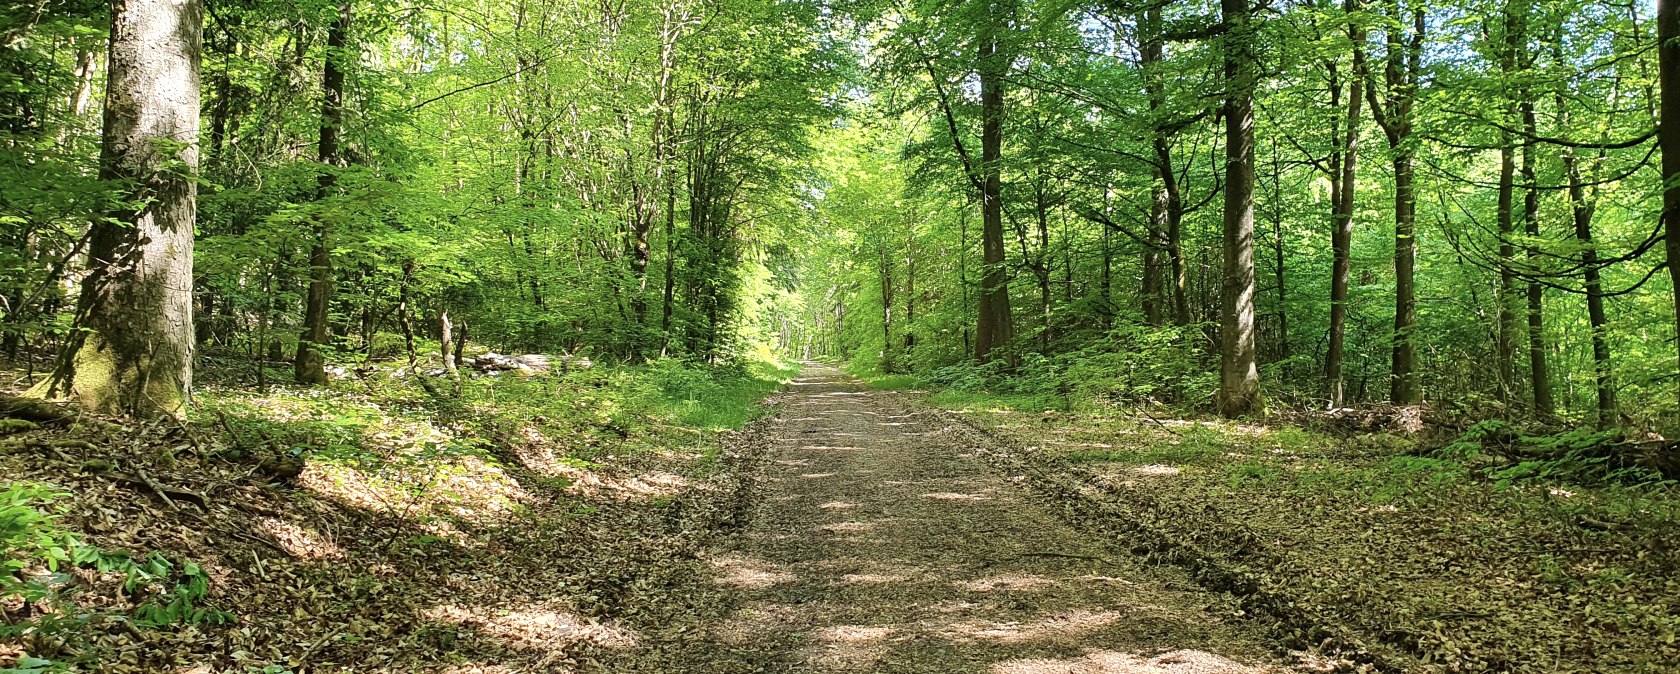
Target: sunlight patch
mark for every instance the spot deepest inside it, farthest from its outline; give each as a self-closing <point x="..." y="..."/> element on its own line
<point x="1065" y="625"/>
<point x="748" y="573"/>
<point x="1007" y="582"/>
<point x="849" y="527"/>
<point x="300" y="542"/>
<point x="531" y="629"/>
<point x="464" y="487"/>
<point x="1111" y="662"/>
<point x="854" y="634"/>
<point x="870" y="578"/>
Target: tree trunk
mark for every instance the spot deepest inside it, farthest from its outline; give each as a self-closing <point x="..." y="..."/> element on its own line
<point x="1341" y="234"/>
<point x="1668" y="59"/>
<point x="446" y="340"/>
<point x="910" y="297"/>
<point x="1581" y="215"/>
<point x="1538" y="373"/>
<point x="1041" y="268"/>
<point x="133" y="352"/>
<point x="1167" y="204"/>
<point x="668" y="297"/>
<point x="886" y="278"/>
<point x="1504" y="340"/>
<point x="1239" y="375"/>
<point x="1401" y="73"/>
<point x="311" y="359"/>
<point x="995" y="328"/>
<point x="1279" y="271"/>
<point x="1404" y="388"/>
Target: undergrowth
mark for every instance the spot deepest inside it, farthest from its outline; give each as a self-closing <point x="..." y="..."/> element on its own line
<point x="37" y="590"/>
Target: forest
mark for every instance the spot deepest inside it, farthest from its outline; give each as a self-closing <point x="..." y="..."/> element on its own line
<point x="733" y="335"/>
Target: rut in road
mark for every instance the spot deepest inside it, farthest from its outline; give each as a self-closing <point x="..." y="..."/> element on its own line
<point x="880" y="544"/>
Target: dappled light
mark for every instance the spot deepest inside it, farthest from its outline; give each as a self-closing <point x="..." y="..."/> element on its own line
<point x="1009" y="582"/>
<point x="299" y="541"/>
<point x="764" y="336"/>
<point x="531" y="628"/>
<point x="1110" y="662"/>
<point x="748" y="573"/>
<point x="1064" y="627"/>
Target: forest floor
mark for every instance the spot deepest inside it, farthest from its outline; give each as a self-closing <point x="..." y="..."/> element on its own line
<point x="1372" y="545"/>
<point x="612" y="521"/>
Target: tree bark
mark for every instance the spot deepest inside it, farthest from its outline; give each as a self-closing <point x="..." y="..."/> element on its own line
<point x="995" y="327"/>
<point x="1167" y="204"/>
<point x="1668" y="137"/>
<point x="133" y="352"/>
<point x="1341" y="234"/>
<point x="1581" y="207"/>
<point x="1506" y="328"/>
<point x="317" y="331"/>
<point x="1539" y="375"/>
<point x="446" y="340"/>
<point x="1239" y="374"/>
<point x="1401" y="71"/>
<point x="1504" y="340"/>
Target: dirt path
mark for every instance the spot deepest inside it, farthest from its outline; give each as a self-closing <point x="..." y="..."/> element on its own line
<point x="879" y="545"/>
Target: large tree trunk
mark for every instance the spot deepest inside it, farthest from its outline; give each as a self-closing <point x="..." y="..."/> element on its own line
<point x="1341" y="234"/>
<point x="133" y="352"/>
<point x="311" y="359"/>
<point x="1239" y="375"/>
<point x="1668" y="59"/>
<point x="995" y="327"/>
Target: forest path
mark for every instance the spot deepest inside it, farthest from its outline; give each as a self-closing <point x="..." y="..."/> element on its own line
<point x="879" y="543"/>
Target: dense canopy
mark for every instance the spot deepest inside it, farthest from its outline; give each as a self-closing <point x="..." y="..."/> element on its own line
<point x="1307" y="202"/>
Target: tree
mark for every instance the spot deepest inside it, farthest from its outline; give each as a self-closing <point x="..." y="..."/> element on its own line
<point x="132" y="351"/>
<point x="1344" y="172"/>
<point x="995" y="327"/>
<point x="1391" y="106"/>
<point x="1239" y="373"/>
<point x="1668" y="137"/>
<point x="311" y="361"/>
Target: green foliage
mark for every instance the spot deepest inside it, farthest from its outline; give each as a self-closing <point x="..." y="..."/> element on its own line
<point x="180" y="605"/>
<point x="30" y="539"/>
<point x="35" y="551"/>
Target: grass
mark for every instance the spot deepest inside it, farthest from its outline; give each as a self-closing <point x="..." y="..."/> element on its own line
<point x="893" y="382"/>
<point x="972" y="401"/>
<point x="723" y="399"/>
